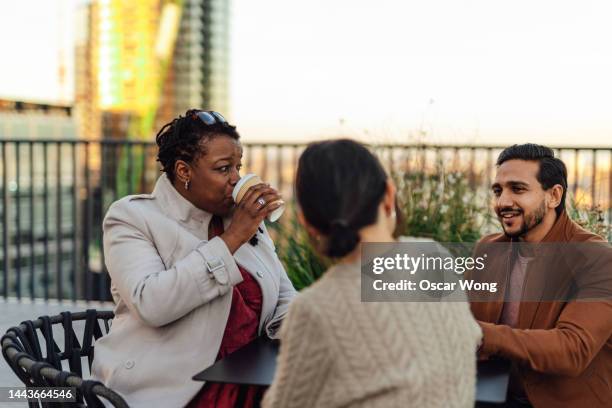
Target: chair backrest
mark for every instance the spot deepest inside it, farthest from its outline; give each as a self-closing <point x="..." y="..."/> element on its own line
<point x="21" y="348"/>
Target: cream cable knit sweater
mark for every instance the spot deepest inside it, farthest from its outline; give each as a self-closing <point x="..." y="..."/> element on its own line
<point x="337" y="351"/>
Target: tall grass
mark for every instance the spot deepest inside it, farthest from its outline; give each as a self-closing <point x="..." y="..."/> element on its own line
<point x="590" y="218"/>
<point x="296" y="252"/>
<point x="442" y="206"/>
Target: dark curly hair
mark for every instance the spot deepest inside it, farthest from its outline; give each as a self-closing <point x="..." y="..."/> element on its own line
<point x="183" y="137"/>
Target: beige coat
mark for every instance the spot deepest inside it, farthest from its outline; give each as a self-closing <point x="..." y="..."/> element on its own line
<point x="173" y="291"/>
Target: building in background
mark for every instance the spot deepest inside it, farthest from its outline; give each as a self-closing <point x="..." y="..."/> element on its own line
<point x="199" y="74"/>
<point x="86" y="105"/>
<point x="36" y="198"/>
<point x="138" y="64"/>
<point x="33" y="120"/>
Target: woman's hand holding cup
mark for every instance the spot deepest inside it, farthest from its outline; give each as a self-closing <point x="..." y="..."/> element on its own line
<point x="254" y="202"/>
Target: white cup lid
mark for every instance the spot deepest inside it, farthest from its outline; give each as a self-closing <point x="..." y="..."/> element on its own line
<point x="240" y="183"/>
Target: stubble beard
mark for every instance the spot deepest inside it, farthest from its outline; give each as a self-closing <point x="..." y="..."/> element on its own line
<point x="530" y="221"/>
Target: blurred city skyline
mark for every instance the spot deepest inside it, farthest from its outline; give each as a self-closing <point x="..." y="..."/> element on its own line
<point x="485" y="72"/>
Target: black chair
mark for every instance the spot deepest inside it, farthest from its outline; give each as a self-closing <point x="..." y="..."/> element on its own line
<point x="22" y="350"/>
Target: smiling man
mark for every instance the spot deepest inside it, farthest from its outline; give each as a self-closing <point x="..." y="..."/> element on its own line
<point x="561" y="349"/>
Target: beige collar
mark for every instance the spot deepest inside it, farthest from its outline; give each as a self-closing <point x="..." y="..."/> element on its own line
<point x="176" y="205"/>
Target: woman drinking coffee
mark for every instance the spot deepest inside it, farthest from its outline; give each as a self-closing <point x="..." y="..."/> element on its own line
<point x="194" y="276"/>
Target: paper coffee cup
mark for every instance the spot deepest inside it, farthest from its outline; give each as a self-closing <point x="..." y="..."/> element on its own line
<point x="276" y="214"/>
<point x="243" y="186"/>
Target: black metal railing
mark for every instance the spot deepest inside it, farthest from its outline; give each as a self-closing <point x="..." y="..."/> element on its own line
<point x="54" y="194"/>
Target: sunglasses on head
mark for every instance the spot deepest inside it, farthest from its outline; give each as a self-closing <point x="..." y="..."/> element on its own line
<point x="210" y="117"/>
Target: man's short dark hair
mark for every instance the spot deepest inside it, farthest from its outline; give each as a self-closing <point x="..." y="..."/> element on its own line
<point x="552" y="170"/>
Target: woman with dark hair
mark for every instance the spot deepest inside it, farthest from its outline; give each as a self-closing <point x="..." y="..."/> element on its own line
<point x="194" y="276"/>
<point x="337" y="351"/>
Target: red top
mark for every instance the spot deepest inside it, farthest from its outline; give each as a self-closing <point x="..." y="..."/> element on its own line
<point x="241" y="329"/>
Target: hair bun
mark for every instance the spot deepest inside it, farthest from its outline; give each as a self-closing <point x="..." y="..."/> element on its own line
<point x="339" y="185"/>
<point x="340" y="223"/>
<point x="342" y="239"/>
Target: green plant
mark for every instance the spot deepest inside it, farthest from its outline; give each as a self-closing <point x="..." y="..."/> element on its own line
<point x="302" y="263"/>
<point x="590" y="218"/>
<point x="441" y="206"/>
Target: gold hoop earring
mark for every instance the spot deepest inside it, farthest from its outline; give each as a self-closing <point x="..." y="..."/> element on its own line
<point x="187" y="184"/>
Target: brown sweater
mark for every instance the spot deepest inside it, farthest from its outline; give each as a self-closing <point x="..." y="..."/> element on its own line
<point x="337" y="351"/>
